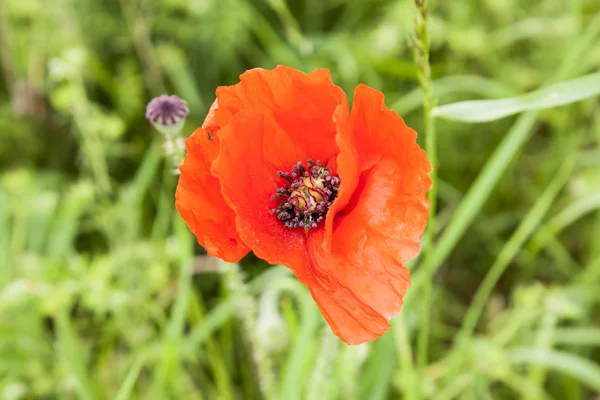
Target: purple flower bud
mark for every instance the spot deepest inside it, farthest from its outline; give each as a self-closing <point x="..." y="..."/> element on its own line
<point x="166" y="110"/>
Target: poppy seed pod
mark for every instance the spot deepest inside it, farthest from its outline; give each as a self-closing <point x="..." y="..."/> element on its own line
<point x="166" y="110"/>
<point x="167" y="114"/>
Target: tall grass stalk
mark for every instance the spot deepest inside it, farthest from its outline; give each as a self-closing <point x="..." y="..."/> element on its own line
<point x="420" y="45"/>
<point x="141" y="35"/>
<point x="98" y="298"/>
<point x="321" y="376"/>
<point x="246" y="307"/>
<point x="511" y="248"/>
<point x="6" y="62"/>
<point x="492" y="171"/>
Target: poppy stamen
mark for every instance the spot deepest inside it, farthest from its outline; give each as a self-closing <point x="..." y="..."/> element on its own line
<point x="305" y="201"/>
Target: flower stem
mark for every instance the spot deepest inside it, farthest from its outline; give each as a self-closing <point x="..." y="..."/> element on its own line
<point x="175" y="150"/>
<point x="246" y="308"/>
<point x="141" y="36"/>
<point x="323" y="368"/>
<point x="421" y="47"/>
<point x="7" y="65"/>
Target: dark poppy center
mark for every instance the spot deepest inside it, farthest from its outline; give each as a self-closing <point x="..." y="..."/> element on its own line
<point x="305" y="199"/>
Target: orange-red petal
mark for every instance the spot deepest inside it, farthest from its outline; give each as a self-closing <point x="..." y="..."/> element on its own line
<point x="200" y="203"/>
<point x="346" y="167"/>
<point x="380" y="224"/>
<point x="248" y="180"/>
<point x="354" y="263"/>
<point x="301" y="104"/>
<point x="335" y="284"/>
<point x="393" y="199"/>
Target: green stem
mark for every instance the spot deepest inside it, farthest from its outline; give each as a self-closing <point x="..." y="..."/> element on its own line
<point x="421" y="52"/>
<point x="141" y="35"/>
<point x="481" y="188"/>
<point x="510" y="250"/>
<point x="175" y="149"/>
<point x="320" y="379"/>
<point x="537" y="372"/>
<point x="410" y="384"/>
<point x="7" y="65"/>
<point x="247" y="313"/>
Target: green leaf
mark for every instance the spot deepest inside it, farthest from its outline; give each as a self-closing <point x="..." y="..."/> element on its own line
<point x="579" y="368"/>
<point x="553" y="96"/>
<point x="578" y="336"/>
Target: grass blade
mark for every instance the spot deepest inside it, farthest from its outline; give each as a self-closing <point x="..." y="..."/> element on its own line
<point x="512" y="247"/>
<point x="579" y="368"/>
<point x="553" y="96"/>
<point x="73" y="353"/>
<point x="579" y="336"/>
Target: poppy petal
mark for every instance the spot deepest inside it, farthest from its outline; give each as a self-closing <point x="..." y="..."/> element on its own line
<point x="380" y="226"/>
<point x="346" y="167"/>
<point x="353" y="264"/>
<point x="301" y="104"/>
<point x="336" y="287"/>
<point x="366" y="257"/>
<point x="377" y="132"/>
<point x="388" y="150"/>
<point x="200" y="203"/>
<point x="248" y="180"/>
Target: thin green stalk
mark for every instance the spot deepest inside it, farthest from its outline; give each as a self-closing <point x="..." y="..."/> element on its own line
<point x="17" y="241"/>
<point x="91" y="142"/>
<point x="458" y="385"/>
<point x="522" y="385"/>
<point x="175" y="149"/>
<point x="410" y="385"/>
<point x="595" y="250"/>
<point x="128" y="386"/>
<point x="247" y="313"/>
<point x="293" y="31"/>
<point x="537" y="372"/>
<point x="7" y="65"/>
<point x="566" y="217"/>
<point x="92" y="145"/>
<point x="512" y="247"/>
<point x="301" y="349"/>
<point x="172" y="344"/>
<point x="582" y="369"/>
<point x="6" y="232"/>
<point x="321" y="378"/>
<point x="589" y="275"/>
<point x="491" y="173"/>
<point x="72" y="353"/>
<point x="174" y="144"/>
<point x="140" y="33"/>
<point x="420" y="46"/>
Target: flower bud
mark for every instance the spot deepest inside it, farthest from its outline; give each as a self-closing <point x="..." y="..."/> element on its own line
<point x="167" y="114"/>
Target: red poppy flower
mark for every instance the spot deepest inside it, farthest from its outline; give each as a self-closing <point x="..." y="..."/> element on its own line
<point x="281" y="167"/>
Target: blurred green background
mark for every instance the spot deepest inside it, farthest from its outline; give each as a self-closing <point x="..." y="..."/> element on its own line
<point x="100" y="299"/>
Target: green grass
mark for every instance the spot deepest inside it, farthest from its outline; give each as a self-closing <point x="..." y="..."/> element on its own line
<point x="105" y="295"/>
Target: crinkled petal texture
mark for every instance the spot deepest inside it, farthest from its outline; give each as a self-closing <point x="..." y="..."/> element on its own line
<point x="296" y="103"/>
<point x="379" y="226"/>
<point x="353" y="263"/>
<point x="200" y="203"/>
